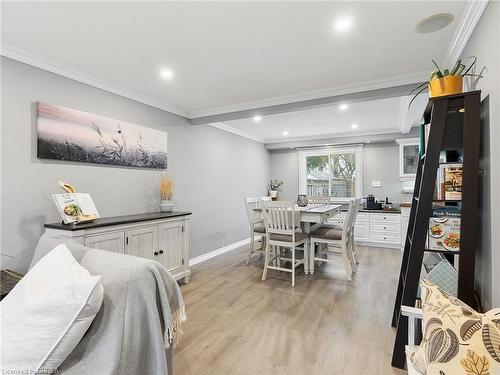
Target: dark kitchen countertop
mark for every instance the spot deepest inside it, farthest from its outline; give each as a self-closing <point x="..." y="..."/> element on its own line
<point x="361" y="209"/>
<point x="116" y="220"/>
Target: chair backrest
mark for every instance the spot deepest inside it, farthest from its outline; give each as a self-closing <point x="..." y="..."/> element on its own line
<point x="251" y="204"/>
<point x="279" y="217"/>
<point x="350" y="219"/>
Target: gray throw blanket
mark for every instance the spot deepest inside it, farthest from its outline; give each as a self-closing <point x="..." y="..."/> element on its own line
<point x="139" y="319"/>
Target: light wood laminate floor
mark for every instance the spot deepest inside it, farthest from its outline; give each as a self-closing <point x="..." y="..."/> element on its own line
<point x="238" y="324"/>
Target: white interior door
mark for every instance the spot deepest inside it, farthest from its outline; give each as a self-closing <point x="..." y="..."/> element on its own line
<point x="171" y="246"/>
<point x="143" y="242"/>
<point x="110" y="241"/>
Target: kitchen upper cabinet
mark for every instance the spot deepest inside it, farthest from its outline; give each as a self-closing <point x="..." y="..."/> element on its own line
<point x="110" y="241"/>
<point x="143" y="242"/>
<point x="408" y="157"/>
<point x="171" y="240"/>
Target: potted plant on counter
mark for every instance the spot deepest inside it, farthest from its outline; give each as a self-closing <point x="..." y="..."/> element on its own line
<point x="166" y="193"/>
<point x="274" y="185"/>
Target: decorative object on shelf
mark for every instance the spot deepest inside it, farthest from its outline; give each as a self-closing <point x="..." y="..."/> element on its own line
<point x="302" y="200"/>
<point x="274" y="185"/>
<point x="74" y="207"/>
<point x="69" y="134"/>
<point x="166" y="193"/>
<point x="446" y="82"/>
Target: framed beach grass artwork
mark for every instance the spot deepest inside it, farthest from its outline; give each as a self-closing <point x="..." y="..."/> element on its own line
<point x="73" y="135"/>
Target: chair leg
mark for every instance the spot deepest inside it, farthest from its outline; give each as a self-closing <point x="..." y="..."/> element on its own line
<point x="252" y="243"/>
<point x="311" y="257"/>
<point x="266" y="258"/>
<point x="293" y="265"/>
<point x="347" y="263"/>
<point x="306" y="257"/>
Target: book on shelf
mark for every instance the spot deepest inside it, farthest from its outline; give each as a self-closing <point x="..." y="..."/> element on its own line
<point x="444" y="228"/>
<point x="448" y="182"/>
<point x="75" y="207"/>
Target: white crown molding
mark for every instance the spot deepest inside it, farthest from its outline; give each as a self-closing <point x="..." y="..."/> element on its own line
<point x="230" y="129"/>
<point x="219" y="251"/>
<point x="316" y="94"/>
<point x="53" y="67"/>
<point x="470" y="17"/>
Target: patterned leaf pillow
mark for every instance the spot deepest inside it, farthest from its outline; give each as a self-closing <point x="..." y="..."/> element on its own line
<point x="457" y="340"/>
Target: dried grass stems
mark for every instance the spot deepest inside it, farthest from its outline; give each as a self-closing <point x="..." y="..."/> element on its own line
<point x="166" y="187"/>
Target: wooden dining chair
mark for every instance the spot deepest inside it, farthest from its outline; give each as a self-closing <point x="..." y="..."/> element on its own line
<point x="281" y="232"/>
<point x="339" y="241"/>
<point x="256" y="223"/>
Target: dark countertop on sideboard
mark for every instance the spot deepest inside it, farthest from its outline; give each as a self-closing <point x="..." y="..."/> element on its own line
<point x="117" y="220"/>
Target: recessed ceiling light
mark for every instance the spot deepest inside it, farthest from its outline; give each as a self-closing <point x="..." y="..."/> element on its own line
<point x="285" y="132"/>
<point x="434" y="23"/>
<point x="367" y="141"/>
<point x="354" y="126"/>
<point x="343" y="24"/>
<point x="343" y="107"/>
<point x="291" y="147"/>
<point x="166" y="74"/>
<point x="257" y="118"/>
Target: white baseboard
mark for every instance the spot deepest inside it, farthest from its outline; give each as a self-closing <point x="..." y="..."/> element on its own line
<point x="219" y="251"/>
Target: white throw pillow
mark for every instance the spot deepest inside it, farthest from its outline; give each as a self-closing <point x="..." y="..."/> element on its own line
<point x="45" y="316"/>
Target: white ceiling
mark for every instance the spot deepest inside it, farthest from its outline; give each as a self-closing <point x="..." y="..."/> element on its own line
<point x="372" y="117"/>
<point x="225" y="54"/>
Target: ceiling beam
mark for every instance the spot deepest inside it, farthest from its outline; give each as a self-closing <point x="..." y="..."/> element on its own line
<point x="345" y="140"/>
<point x="355" y="97"/>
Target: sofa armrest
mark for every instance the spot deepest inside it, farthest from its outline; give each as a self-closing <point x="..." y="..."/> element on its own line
<point x="413" y="315"/>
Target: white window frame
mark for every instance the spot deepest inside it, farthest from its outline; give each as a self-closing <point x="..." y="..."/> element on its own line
<point x="304" y="154"/>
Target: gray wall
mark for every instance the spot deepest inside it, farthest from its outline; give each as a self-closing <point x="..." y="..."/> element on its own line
<point x="484" y="44"/>
<point x="213" y="170"/>
<point x="380" y="162"/>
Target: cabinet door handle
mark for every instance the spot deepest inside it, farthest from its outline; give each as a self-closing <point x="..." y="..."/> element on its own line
<point x="161" y="251"/>
<point x="155" y="253"/>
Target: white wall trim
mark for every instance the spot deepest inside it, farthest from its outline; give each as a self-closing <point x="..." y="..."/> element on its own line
<point x="219" y="251"/>
<point x="316" y="94"/>
<point x="53" y="67"/>
<point x="230" y="129"/>
<point x="470" y="17"/>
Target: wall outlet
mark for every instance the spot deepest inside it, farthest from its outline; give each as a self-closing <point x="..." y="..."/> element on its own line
<point x="376" y="183"/>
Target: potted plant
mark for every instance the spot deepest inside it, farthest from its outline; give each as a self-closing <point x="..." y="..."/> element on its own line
<point x="445" y="82"/>
<point x="274" y="185"/>
<point x="166" y="193"/>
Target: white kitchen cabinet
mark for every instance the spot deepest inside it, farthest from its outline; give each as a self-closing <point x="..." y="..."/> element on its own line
<point x="385" y="228"/>
<point x="111" y="241"/>
<point x="159" y="236"/>
<point x="408" y="157"/>
<point x="405" y="218"/>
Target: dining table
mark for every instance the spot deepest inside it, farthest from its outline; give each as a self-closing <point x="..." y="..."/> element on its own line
<point x="310" y="218"/>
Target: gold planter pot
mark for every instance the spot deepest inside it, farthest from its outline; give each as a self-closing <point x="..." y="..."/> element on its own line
<point x="448" y="85"/>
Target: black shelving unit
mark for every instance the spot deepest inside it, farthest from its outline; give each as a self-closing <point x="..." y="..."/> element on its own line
<point x="454" y="122"/>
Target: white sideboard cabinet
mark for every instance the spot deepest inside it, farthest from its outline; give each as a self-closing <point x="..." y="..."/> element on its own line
<point x="163" y="237"/>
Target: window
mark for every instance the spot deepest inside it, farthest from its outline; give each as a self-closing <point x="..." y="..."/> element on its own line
<point x="334" y="172"/>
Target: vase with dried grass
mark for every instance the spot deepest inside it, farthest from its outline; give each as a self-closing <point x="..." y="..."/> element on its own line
<point x="166" y="193"/>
